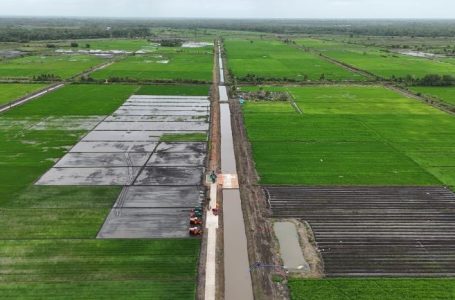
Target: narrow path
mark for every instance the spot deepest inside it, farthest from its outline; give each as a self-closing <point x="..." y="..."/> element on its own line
<point x="51" y="88"/>
<point x="236" y="264"/>
<point x="34" y="96"/>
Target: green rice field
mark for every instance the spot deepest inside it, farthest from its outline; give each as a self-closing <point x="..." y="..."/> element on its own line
<point x="62" y="66"/>
<point x="10" y="92"/>
<point x="444" y="94"/>
<point x="165" y="64"/>
<point x="351" y="135"/>
<point x="47" y="241"/>
<point x="382" y="63"/>
<point x="372" y="289"/>
<point x="274" y="60"/>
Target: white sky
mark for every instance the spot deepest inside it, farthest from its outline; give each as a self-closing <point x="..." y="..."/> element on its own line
<point x="232" y="8"/>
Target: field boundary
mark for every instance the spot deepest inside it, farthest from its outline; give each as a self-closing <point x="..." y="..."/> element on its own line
<point x="31" y="96"/>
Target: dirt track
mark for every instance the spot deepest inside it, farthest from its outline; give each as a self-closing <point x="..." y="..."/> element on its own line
<point x="261" y="241"/>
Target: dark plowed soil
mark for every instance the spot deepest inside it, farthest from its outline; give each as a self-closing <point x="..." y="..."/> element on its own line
<point x="376" y="231"/>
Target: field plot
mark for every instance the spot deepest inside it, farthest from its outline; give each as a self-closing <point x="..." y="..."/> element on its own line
<point x="182" y="90"/>
<point x="376" y="231"/>
<point x="351" y="136"/>
<point x="178" y="64"/>
<point x="60" y="66"/>
<point x="47" y="242"/>
<point x="126" y="150"/>
<point x="99" y="269"/>
<point x="382" y="63"/>
<point x="444" y="94"/>
<point x="372" y="289"/>
<point x="11" y="92"/>
<point x="252" y="60"/>
<point x="115" y="44"/>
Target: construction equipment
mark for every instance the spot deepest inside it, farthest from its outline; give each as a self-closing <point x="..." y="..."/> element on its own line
<point x="195" y="231"/>
<point x="196" y="214"/>
<point x="195" y="221"/>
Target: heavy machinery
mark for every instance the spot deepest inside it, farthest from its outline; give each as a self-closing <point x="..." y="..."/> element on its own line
<point x="195" y="221"/>
<point x="195" y="231"/>
<point x="196" y="214"/>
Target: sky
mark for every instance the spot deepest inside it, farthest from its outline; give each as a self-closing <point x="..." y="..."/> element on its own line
<point x="232" y="8"/>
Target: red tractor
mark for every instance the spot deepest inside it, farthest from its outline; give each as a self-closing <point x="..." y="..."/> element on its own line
<point x="195" y="221"/>
<point x="195" y="231"/>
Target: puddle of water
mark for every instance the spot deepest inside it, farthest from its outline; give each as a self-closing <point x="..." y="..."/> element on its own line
<point x="196" y="44"/>
<point x="419" y="54"/>
<point x="290" y="249"/>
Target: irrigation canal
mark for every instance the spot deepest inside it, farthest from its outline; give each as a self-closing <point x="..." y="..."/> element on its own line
<point x="237" y="278"/>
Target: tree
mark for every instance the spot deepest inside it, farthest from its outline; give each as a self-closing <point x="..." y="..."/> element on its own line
<point x="74" y="45"/>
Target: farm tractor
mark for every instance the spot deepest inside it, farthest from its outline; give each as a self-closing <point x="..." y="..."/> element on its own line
<point x="195" y="231"/>
<point x="196" y="216"/>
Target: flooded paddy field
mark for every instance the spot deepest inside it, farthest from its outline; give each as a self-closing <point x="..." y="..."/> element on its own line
<point x="174" y="165"/>
<point x="60" y="66"/>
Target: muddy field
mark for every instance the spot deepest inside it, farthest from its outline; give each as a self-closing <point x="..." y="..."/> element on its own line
<point x="375" y="231"/>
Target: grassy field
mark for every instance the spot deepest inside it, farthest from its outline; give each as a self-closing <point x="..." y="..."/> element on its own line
<point x="372" y="289"/>
<point x="274" y="60"/>
<point x="182" y="90"/>
<point x="379" y="62"/>
<point x="47" y="241"/>
<point x="99" y="269"/>
<point x="77" y="100"/>
<point x="62" y="66"/>
<point x="351" y="135"/>
<point x="444" y="94"/>
<point x="11" y="92"/>
<point x="165" y="64"/>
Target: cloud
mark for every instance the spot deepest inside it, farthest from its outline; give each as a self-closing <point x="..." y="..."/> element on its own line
<point x="232" y="9"/>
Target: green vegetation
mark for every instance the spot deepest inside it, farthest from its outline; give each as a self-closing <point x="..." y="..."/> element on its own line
<point x="259" y="60"/>
<point x="182" y="90"/>
<point x="351" y="135"/>
<point x="184" y="137"/>
<point x="40" y="67"/>
<point x="166" y="64"/>
<point x="444" y="94"/>
<point x="372" y="289"/>
<point x="11" y="92"/>
<point x="77" y="100"/>
<point x="101" y="269"/>
<point x="47" y="241"/>
<point x="382" y="63"/>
